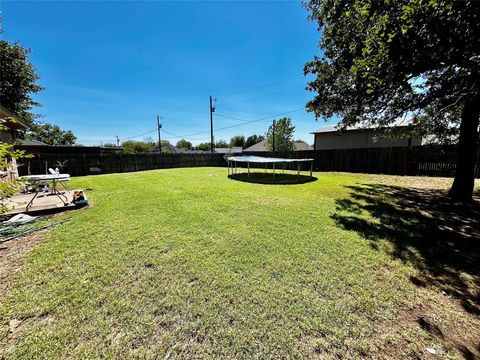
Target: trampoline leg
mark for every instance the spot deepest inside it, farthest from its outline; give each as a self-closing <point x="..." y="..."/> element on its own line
<point x="248" y="165"/>
<point x="273" y="172"/>
<point x="265" y="168"/>
<point x="298" y="172"/>
<point x="311" y="169"/>
<point x="235" y="168"/>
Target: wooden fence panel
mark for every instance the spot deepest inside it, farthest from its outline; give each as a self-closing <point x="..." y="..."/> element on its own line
<point x="87" y="164"/>
<point x="431" y="160"/>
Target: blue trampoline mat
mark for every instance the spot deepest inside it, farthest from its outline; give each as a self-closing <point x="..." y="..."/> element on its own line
<point x="261" y="159"/>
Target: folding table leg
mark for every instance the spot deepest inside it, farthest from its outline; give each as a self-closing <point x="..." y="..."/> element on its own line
<point x="30" y="203"/>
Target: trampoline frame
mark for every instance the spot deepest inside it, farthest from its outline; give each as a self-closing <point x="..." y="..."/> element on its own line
<point x="232" y="164"/>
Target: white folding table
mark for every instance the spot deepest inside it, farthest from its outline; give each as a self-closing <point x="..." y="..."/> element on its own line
<point x="55" y="179"/>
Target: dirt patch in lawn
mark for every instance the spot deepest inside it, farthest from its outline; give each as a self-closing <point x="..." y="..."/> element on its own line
<point x="419" y="182"/>
<point x="12" y="254"/>
<point x="441" y="239"/>
<point x="438" y="326"/>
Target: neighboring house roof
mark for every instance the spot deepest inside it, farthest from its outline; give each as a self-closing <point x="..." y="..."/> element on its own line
<point x="13" y="120"/>
<point x="195" y="151"/>
<point x="325" y="129"/>
<point x="169" y="147"/>
<point x="360" y="126"/>
<point x="302" y="146"/>
<point x="262" y="146"/>
<point x="235" y="149"/>
<point x="30" y="142"/>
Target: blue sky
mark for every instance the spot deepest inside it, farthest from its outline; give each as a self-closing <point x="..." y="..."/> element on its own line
<point x="110" y="67"/>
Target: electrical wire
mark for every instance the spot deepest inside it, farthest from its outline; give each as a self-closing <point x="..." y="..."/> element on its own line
<point x="224" y="116"/>
<point x="245" y="121"/>
<point x="259" y="97"/>
<point x="185" y="108"/>
<point x="261" y="119"/>
<point x="261" y="87"/>
<point x="136" y="136"/>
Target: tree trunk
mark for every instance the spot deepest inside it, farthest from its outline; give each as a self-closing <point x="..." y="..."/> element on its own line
<point x="462" y="188"/>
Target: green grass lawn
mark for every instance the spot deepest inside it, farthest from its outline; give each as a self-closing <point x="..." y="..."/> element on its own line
<point x="187" y="263"/>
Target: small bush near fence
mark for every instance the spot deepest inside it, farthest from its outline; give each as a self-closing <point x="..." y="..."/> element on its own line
<point x="415" y="160"/>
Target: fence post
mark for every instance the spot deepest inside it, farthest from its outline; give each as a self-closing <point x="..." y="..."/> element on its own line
<point x="84" y="165"/>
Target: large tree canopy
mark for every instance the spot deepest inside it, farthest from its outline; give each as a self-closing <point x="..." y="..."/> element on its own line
<point x="252" y="140"/>
<point x="203" y="146"/>
<point x="238" y="140"/>
<point x="184" y="144"/>
<point x="51" y="134"/>
<point x="221" y="144"/>
<point x="18" y="80"/>
<point x="280" y="135"/>
<point x="392" y="60"/>
<point x="138" y="147"/>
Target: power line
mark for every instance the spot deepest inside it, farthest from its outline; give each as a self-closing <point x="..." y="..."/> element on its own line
<point x="156" y="129"/>
<point x="262" y="86"/>
<point x="185" y="108"/>
<point x="238" y="92"/>
<point x="261" y="119"/>
<point x="175" y="136"/>
<point x="273" y="135"/>
<point x="169" y="133"/>
<point x="188" y="136"/>
<point x="228" y="103"/>
<point x="245" y="121"/>
<point x="260" y="96"/>
<point x="136" y="136"/>
<point x="212" y="110"/>
<point x="233" y="118"/>
<point x="159" y="127"/>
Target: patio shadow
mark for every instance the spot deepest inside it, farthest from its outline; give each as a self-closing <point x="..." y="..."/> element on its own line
<point x="441" y="238"/>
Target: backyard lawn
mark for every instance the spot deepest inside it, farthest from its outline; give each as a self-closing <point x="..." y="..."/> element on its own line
<point x="187" y="263"/>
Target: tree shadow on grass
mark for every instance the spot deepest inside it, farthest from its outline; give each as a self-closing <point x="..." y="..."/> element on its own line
<point x="267" y="178"/>
<point x="441" y="238"/>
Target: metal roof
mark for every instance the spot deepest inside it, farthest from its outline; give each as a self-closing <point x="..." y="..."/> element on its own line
<point x="361" y="126"/>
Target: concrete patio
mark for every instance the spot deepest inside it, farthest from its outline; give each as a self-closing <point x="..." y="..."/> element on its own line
<point x="44" y="203"/>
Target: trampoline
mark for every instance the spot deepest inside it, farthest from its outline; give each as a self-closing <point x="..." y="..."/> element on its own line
<point x="250" y="159"/>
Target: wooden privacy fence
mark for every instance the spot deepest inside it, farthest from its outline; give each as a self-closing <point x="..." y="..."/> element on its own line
<point x="88" y="164"/>
<point x="431" y="160"/>
<point x="416" y="160"/>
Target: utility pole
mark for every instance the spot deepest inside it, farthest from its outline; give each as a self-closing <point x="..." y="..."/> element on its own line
<point x="273" y="135"/>
<point x="159" y="126"/>
<point x="212" y="110"/>
<point x="118" y="141"/>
